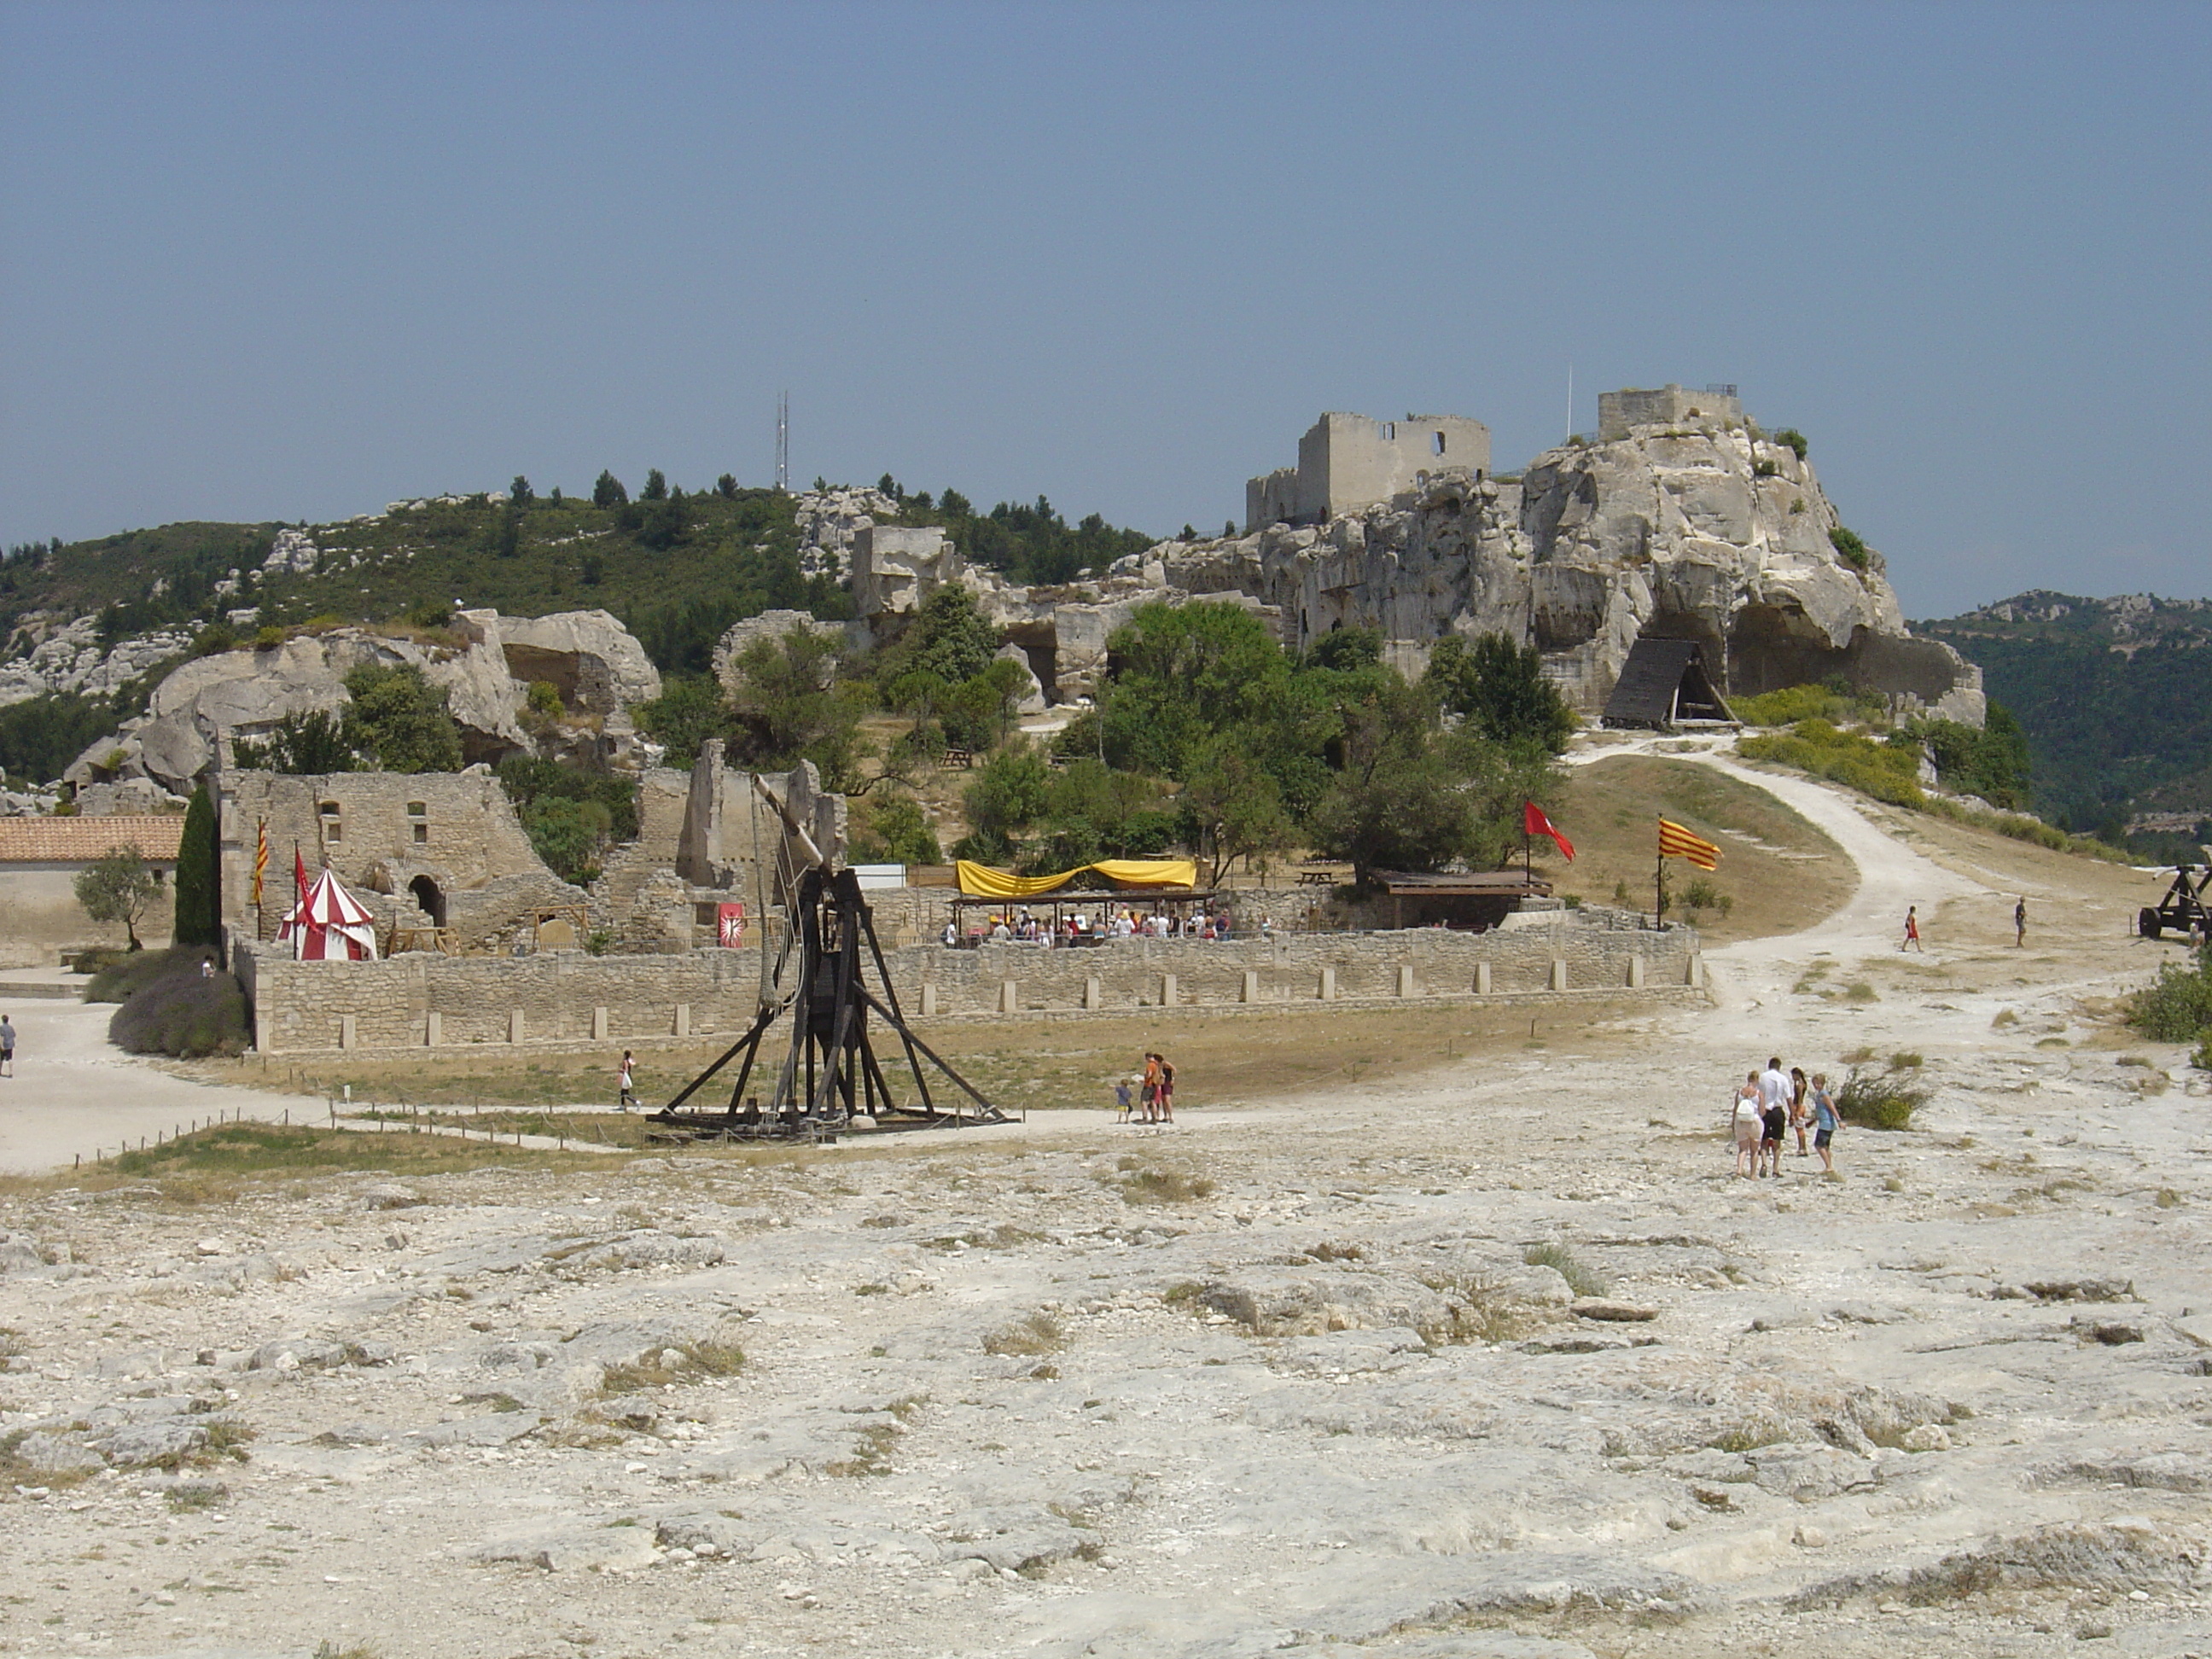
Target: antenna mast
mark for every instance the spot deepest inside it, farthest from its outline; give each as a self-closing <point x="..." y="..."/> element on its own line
<point x="783" y="443"/>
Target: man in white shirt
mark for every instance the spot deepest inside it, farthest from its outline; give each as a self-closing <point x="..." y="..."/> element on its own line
<point x="1773" y="1097"/>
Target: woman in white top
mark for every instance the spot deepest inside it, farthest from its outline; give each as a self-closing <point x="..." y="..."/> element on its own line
<point x="1745" y="1123"/>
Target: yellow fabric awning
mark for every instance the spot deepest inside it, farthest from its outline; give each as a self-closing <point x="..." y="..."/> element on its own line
<point x="981" y="881"/>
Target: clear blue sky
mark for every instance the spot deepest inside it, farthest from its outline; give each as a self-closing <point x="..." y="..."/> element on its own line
<point x="294" y="261"/>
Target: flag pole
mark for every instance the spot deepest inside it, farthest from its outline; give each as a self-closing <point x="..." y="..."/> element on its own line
<point x="1659" y="887"/>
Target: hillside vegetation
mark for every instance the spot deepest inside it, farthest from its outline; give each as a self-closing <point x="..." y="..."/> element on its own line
<point x="2110" y="695"/>
<point x="677" y="567"/>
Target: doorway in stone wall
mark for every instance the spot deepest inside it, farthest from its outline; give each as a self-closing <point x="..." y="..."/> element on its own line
<point x="430" y="899"/>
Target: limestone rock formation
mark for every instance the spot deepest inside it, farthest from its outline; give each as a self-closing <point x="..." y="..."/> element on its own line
<point x="70" y="657"/>
<point x="830" y="521"/>
<point x="1707" y="532"/>
<point x="1714" y="534"/>
<point x="588" y="656"/>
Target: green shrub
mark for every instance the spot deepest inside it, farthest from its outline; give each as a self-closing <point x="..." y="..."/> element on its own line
<point x="1581" y="1278"/>
<point x="1881" y="1100"/>
<point x="1849" y="548"/>
<point x="183" y="1012"/>
<point x="1880" y="770"/>
<point x="2176" y="1007"/>
<point x="1765" y="469"/>
<point x="1832" y="700"/>
<point x="1791" y="436"/>
<point x="116" y="974"/>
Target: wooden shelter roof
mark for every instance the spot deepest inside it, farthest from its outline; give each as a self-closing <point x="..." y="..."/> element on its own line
<point x="1663" y="682"/>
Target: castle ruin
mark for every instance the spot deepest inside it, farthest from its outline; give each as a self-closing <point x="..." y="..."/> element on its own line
<point x="1348" y="462"/>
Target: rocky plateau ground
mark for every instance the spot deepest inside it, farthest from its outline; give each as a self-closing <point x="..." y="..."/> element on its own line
<point x="1504" y="1362"/>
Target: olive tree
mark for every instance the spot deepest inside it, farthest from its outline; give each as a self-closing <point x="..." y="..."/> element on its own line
<point x="120" y="886"/>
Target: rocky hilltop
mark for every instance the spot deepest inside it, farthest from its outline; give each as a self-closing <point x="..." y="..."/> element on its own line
<point x="486" y="664"/>
<point x="1708" y="530"/>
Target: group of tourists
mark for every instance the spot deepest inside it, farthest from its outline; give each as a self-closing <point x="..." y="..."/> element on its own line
<point x="1077" y="928"/>
<point x="1769" y="1105"/>
<point x="1153" y="1099"/>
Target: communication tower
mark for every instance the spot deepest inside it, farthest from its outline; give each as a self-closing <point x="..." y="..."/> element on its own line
<point x="783" y="443"/>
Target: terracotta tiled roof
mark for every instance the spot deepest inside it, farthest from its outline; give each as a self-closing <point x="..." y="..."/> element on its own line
<point x="71" y="840"/>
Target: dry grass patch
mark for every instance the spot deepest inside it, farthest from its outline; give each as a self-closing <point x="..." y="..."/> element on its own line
<point x="1783" y="873"/>
<point x="1034" y="1334"/>
<point x="1142" y="1184"/>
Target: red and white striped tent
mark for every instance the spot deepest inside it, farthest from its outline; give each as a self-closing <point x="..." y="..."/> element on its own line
<point x="329" y="925"/>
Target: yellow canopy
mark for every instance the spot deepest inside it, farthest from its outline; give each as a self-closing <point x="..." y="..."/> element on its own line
<point x="981" y="881"/>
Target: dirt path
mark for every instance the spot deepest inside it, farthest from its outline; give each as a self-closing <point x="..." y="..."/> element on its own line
<point x="73" y="1094"/>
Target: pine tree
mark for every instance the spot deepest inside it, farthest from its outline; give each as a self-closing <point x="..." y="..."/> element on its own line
<point x="198" y="913"/>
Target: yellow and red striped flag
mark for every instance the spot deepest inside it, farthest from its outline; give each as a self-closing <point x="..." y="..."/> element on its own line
<point x="260" y="858"/>
<point x="1677" y="842"/>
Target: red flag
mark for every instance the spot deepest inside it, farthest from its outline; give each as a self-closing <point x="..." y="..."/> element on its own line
<point x="299" y="874"/>
<point x="1535" y="823"/>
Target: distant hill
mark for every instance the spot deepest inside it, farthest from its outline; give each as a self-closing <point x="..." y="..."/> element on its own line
<point x="677" y="568"/>
<point x="2116" y="698"/>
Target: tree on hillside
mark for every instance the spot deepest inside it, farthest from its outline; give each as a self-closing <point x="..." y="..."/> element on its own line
<point x="1185" y="673"/>
<point x="893" y="830"/>
<point x="1499" y="687"/>
<point x="307" y="744"/>
<point x="788" y="706"/>
<point x="726" y="486"/>
<point x="609" y="491"/>
<point x="199" y="912"/>
<point x="1009" y="793"/>
<point x="121" y="886"/>
<point x="689" y="710"/>
<point x="1410" y="796"/>
<point x="519" y="492"/>
<point x="1233" y="808"/>
<point x="950" y="637"/>
<point x="399" y="720"/>
<point x="656" y="486"/>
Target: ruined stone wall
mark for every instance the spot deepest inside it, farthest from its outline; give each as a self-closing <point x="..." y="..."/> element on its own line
<point x="464" y="838"/>
<point x="422" y="1000"/>
<point x="1669" y="406"/>
<point x="1347" y="462"/>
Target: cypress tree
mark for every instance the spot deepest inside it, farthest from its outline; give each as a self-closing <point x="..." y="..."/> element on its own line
<point x="198" y="913"/>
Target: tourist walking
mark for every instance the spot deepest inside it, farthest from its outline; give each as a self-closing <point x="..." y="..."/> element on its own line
<point x="1826" y="1122"/>
<point x="625" y="1096"/>
<point x="7" y="1047"/>
<point x="1167" y="1088"/>
<point x="2020" y="923"/>
<point x="1149" y="1092"/>
<point x="1744" y="1124"/>
<point x="1912" y="940"/>
<point x="1774" y="1115"/>
<point x="1800" y="1112"/>
<point x="1122" y="1097"/>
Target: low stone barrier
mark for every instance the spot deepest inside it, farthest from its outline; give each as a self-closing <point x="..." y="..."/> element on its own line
<point x="567" y="996"/>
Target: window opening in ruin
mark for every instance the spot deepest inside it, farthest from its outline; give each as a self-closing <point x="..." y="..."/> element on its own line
<point x="1391" y="430"/>
<point x="417" y="809"/>
<point x="1437" y="442"/>
<point x="421" y="835"/>
<point x="333" y="830"/>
